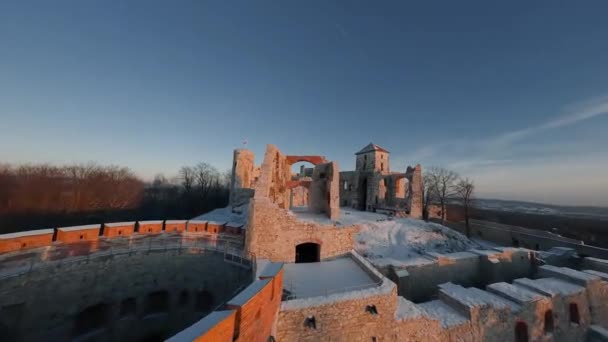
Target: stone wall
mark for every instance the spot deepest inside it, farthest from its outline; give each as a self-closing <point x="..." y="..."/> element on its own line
<point x="274" y="174"/>
<point x="419" y="282"/>
<point x="345" y="320"/>
<point x="274" y="233"/>
<point x="116" y="297"/>
<point x="325" y="190"/>
<point x="415" y="191"/>
<point x="249" y="316"/>
<point x="299" y="196"/>
<point x="243" y="177"/>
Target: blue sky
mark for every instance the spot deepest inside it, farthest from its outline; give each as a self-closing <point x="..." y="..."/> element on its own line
<point x="513" y="94"/>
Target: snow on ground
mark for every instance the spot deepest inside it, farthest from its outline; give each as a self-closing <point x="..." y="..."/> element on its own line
<point x="323" y="278"/>
<point x="225" y="215"/>
<point x="445" y="314"/>
<point x="347" y="216"/>
<point x="404" y="241"/>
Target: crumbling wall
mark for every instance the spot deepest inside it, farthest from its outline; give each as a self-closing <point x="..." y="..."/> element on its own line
<point x="274" y="233"/>
<point x="325" y="190"/>
<point x="415" y="200"/>
<point x="349" y="189"/>
<point x="299" y="196"/>
<point x="274" y="174"/>
<point x="241" y="185"/>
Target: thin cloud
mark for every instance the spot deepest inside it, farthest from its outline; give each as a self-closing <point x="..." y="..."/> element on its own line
<point x="574" y="116"/>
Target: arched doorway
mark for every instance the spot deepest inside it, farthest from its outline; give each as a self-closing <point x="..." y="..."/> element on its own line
<point x="521" y="332"/>
<point x="308" y="252"/>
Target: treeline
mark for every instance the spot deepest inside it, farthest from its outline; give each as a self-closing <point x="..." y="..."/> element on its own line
<point x="41" y="196"/>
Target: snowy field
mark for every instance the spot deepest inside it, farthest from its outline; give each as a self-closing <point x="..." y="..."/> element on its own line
<point x="404" y="241"/>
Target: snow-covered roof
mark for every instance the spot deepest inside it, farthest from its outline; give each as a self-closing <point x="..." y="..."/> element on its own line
<point x="268" y="269"/>
<point x="333" y="281"/>
<point x="445" y="314"/>
<point x="248" y="293"/>
<point x="602" y="275"/>
<point x="119" y="224"/>
<point x="227" y="214"/>
<point x="216" y="223"/>
<point x="175" y="221"/>
<point x="473" y="297"/>
<point x="197" y="222"/>
<point x="141" y="223"/>
<point x="519" y="294"/>
<point x="550" y="286"/>
<point x="85" y="227"/>
<point x="199" y="328"/>
<point x="235" y="225"/>
<point x="320" y="278"/>
<point x="371" y="147"/>
<point x="406" y="310"/>
<point x="26" y="233"/>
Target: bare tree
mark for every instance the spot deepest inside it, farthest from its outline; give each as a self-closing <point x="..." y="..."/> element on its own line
<point x="442" y="186"/>
<point x="186" y="177"/>
<point x="207" y="177"/>
<point x="464" y="192"/>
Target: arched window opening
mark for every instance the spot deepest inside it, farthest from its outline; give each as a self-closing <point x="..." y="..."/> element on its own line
<point x="308" y="252"/>
<point x="574" y="314"/>
<point x="521" y="332"/>
<point x="548" y="321"/>
<point x="310" y="322"/>
<point x="371" y="309"/>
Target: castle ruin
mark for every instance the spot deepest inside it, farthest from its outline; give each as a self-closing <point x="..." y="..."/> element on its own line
<point x="303" y="277"/>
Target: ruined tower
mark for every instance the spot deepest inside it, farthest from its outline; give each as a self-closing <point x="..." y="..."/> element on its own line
<point x="373" y="158"/>
<point x="414" y="175"/>
<point x="241" y="185"/>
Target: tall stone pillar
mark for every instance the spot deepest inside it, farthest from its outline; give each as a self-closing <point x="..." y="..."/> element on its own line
<point x="415" y="191"/>
<point x="242" y="177"/>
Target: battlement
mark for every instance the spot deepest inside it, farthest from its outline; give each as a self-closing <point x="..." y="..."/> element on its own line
<point x="16" y="242"/>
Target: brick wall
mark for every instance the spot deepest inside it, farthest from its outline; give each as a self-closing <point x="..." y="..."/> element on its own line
<point x="150" y="227"/>
<point x="25" y="240"/>
<point x="250" y="315"/>
<point x="176" y="226"/>
<point x="45" y="237"/>
<point x="118" y="229"/>
<point x="75" y="234"/>
<point x="197" y="226"/>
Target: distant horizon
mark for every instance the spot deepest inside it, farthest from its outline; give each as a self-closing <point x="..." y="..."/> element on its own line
<point x="513" y="95"/>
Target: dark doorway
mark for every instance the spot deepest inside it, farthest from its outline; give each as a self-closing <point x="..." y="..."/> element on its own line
<point x="548" y="321"/>
<point x="363" y="195"/>
<point x="521" y="332"/>
<point x="308" y="252"/>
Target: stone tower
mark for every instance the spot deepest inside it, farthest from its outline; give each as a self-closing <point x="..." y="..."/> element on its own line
<point x="373" y="158"/>
<point x="241" y="183"/>
<point x="414" y="175"/>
